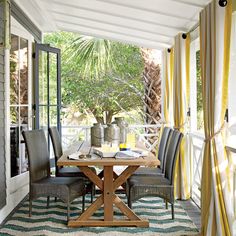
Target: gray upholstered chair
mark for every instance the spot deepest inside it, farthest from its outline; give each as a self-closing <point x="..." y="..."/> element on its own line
<point x="166" y="134"/>
<point x="41" y="183"/>
<point x="67" y="171"/>
<point x="157" y="185"/>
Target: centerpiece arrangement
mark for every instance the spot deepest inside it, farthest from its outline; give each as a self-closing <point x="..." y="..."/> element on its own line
<point x="114" y="140"/>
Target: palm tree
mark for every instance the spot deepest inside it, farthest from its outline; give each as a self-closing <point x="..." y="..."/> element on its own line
<point x="152" y="83"/>
<point x="93" y="55"/>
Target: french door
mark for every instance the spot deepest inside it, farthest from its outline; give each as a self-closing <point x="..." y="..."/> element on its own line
<point x="47" y="88"/>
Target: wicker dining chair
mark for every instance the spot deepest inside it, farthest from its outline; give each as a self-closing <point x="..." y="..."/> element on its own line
<point x="165" y="137"/>
<point x="67" y="171"/>
<point x="41" y="183"/>
<point x="157" y="185"/>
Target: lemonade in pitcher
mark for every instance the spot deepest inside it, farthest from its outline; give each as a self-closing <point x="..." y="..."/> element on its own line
<point x="131" y="140"/>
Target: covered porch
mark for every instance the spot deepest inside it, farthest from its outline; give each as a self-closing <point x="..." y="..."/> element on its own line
<point x="195" y="44"/>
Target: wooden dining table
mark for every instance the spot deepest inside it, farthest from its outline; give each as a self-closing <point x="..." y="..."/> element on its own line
<point x="108" y="181"/>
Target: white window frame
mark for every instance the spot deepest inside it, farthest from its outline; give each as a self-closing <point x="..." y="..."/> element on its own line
<point x="17" y="182"/>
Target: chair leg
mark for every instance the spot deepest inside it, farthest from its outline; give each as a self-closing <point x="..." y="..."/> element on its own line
<point x="166" y="204"/>
<point x="172" y="211"/>
<point x="129" y="202"/>
<point x="68" y="211"/>
<point x="30" y="207"/>
<point x="83" y="202"/>
<point x="48" y="201"/>
<point x="92" y="193"/>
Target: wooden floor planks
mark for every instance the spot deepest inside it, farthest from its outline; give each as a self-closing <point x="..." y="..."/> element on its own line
<point x="193" y="211"/>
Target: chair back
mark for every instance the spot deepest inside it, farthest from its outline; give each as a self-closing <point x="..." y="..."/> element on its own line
<point x="171" y="154"/>
<point x="56" y="142"/>
<point x="37" y="149"/>
<point x="166" y="134"/>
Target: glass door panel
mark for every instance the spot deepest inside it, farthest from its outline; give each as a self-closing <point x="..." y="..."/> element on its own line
<point x="47" y="88"/>
<point x="53" y="115"/>
<point x="14" y="71"/>
<point x="42" y="80"/>
<point x="14" y="141"/>
<point x="53" y="79"/>
<point x="23" y="71"/>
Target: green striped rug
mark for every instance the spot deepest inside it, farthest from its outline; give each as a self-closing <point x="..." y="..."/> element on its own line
<point x="52" y="221"/>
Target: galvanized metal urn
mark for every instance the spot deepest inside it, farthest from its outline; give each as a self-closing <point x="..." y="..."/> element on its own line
<point x="121" y="123"/>
<point x="97" y="135"/>
<point x="112" y="134"/>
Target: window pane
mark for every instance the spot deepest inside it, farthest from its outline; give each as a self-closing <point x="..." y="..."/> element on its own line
<point x="43" y="117"/>
<point x="22" y="150"/>
<point x="14" y="114"/>
<point x="43" y="93"/>
<point x="53" y="79"/>
<point x="53" y="116"/>
<point x="24" y="116"/>
<point x="23" y="71"/>
<point x="14" y="142"/>
<point x="23" y="158"/>
<point x="14" y="65"/>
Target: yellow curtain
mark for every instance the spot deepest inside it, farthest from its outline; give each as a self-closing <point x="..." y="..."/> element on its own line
<point x="168" y="92"/>
<point x="187" y="53"/>
<point x="216" y="201"/>
<point x="180" y="108"/>
<point x="168" y="60"/>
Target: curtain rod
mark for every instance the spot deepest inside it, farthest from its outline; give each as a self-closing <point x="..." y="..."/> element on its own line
<point x="193" y="28"/>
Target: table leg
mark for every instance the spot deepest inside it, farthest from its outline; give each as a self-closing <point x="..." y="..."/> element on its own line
<point x="101" y="175"/>
<point x="108" y="198"/>
<point x="108" y="193"/>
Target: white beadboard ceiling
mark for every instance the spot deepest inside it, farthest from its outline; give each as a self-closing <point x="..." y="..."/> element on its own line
<point x="148" y="23"/>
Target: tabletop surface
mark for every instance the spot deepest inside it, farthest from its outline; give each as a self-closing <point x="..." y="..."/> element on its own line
<point x="142" y="161"/>
<point x="149" y="160"/>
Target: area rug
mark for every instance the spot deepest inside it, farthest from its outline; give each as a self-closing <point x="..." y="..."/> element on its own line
<point x="52" y="221"/>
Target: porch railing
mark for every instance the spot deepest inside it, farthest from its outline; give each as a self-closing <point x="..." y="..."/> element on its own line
<point x="197" y="143"/>
<point x="72" y="134"/>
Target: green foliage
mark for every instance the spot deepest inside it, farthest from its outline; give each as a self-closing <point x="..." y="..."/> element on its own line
<point x="199" y="93"/>
<point x="99" y="76"/>
<point x="92" y="54"/>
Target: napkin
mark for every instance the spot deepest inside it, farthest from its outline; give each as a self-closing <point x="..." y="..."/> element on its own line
<point x="75" y="155"/>
<point x="128" y="155"/>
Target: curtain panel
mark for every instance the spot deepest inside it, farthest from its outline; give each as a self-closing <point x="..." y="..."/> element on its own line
<point x="168" y="85"/>
<point x="216" y="192"/>
<point x="180" y="108"/>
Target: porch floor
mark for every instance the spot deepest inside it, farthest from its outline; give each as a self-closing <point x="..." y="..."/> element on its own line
<point x="144" y="206"/>
<point x="193" y="212"/>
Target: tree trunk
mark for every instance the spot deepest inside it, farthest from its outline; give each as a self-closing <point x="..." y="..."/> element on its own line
<point x="106" y="119"/>
<point x="109" y="115"/>
<point x="99" y="119"/>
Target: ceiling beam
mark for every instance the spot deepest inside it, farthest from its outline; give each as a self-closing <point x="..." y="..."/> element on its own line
<point x="122" y="21"/>
<point x="90" y="31"/>
<point x="117" y="3"/>
<point x="190" y="3"/>
<point x="114" y="31"/>
<point x="129" y="27"/>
